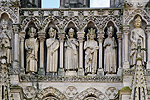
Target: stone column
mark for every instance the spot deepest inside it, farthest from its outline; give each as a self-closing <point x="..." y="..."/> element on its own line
<point x="126" y="48"/>
<point x="61" y="71"/>
<point x="22" y="39"/>
<point x="100" y="39"/>
<point x="16" y="47"/>
<point x="41" y="36"/>
<point x="119" y="35"/>
<point x="148" y="46"/>
<point x="80" y="39"/>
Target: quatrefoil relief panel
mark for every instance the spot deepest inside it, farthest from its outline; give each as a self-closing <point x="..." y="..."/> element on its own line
<point x="111" y="92"/>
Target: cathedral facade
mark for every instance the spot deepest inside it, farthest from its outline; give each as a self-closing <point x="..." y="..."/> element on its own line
<point x="74" y="52"/>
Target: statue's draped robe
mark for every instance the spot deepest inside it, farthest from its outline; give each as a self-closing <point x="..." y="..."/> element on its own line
<point x="110" y="55"/>
<point x="52" y="55"/>
<point x="6" y="40"/>
<point x="136" y="34"/>
<point x="90" y="48"/>
<point x="31" y="54"/>
<point x="71" y="54"/>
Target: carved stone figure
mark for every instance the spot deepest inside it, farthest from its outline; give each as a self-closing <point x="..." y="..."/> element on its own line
<point x="52" y="51"/>
<point x="136" y="34"/>
<point x="6" y="38"/>
<point x="31" y="47"/>
<point x="90" y="47"/>
<point x="110" y="56"/>
<point x="71" y="51"/>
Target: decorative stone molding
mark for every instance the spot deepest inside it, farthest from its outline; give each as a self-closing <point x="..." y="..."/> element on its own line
<point x="91" y="91"/>
<point x="51" y="91"/>
<point x="40" y="78"/>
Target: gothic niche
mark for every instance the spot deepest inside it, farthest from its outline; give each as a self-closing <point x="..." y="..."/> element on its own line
<point x="71" y="50"/>
<point x="91" y="49"/>
<point x="31" y="49"/>
<point x="137" y="34"/>
<point x="51" y="52"/>
<point x="110" y="50"/>
<point x="6" y="37"/>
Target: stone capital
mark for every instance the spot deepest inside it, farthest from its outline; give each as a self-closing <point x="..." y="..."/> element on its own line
<point x="41" y="35"/>
<point x="80" y="36"/>
<point x="16" y="28"/>
<point x="61" y="37"/>
<point x="119" y="36"/>
<point x="126" y="30"/>
<point x="100" y="36"/>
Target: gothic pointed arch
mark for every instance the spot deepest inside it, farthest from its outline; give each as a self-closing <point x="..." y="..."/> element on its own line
<point x="144" y="15"/>
<point x="12" y="15"/>
<point x="28" y="20"/>
<point x="91" y="93"/>
<point x="112" y="23"/>
<point x="50" y="20"/>
<point x="71" y="24"/>
<point x="51" y="92"/>
<point x="90" y="24"/>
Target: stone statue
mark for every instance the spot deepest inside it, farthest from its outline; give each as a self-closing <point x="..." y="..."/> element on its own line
<point x="71" y="51"/>
<point x="90" y="47"/>
<point x="52" y="51"/>
<point x="31" y="47"/>
<point x="110" y="53"/>
<point x="6" y="38"/>
<point x="136" y="34"/>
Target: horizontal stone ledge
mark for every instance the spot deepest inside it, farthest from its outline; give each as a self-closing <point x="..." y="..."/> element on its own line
<point x="39" y="78"/>
<point x="132" y="72"/>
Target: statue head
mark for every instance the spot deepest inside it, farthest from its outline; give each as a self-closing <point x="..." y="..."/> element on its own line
<point x="110" y="31"/>
<point x="52" y="32"/>
<point x="138" y="22"/>
<point x="32" y="32"/>
<point x="71" y="32"/>
<point x="91" y="34"/>
<point x="4" y="24"/>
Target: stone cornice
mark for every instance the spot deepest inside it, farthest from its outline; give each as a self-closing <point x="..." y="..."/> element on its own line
<point x="30" y="78"/>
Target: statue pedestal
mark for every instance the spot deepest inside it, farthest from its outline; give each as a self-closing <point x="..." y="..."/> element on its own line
<point x="61" y="72"/>
<point x="41" y="71"/>
<point x="100" y="72"/>
<point x="80" y="72"/>
<point x="119" y="73"/>
<point x="71" y="73"/>
<point x="148" y="65"/>
<point x="126" y="65"/>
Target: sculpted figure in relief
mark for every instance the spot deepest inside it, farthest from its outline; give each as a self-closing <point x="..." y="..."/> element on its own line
<point x="90" y="47"/>
<point x="52" y="51"/>
<point x="6" y="38"/>
<point x="71" y="51"/>
<point x="31" y="47"/>
<point x="137" y="34"/>
<point x="110" y="53"/>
